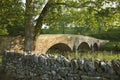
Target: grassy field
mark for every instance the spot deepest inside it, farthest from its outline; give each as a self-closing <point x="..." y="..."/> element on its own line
<point x="100" y="55"/>
<point x="96" y="55"/>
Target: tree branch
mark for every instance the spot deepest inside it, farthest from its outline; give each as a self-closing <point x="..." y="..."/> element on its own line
<point x="85" y="4"/>
<point x="51" y="3"/>
<point x="40" y="19"/>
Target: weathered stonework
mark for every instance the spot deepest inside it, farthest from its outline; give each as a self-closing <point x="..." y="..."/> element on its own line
<point x="45" y="42"/>
<point x="11" y="43"/>
<point x="49" y="67"/>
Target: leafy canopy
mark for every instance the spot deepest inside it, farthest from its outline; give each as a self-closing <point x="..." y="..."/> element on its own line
<point x="11" y="17"/>
<point x="83" y="15"/>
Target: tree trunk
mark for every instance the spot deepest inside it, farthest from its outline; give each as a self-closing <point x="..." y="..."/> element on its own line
<point x="40" y="19"/>
<point x="28" y="46"/>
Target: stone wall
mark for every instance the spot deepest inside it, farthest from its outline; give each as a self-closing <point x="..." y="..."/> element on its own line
<point x="49" y="67"/>
<point x="46" y="41"/>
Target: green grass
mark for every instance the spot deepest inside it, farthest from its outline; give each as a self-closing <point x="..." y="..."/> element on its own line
<point x="94" y="56"/>
<point x="100" y="55"/>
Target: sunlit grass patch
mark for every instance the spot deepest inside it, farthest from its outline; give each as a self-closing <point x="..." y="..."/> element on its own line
<point x="89" y="55"/>
<point x="99" y="55"/>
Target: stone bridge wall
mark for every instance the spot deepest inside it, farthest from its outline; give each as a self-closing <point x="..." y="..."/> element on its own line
<point x="44" y="42"/>
<point x="11" y="43"/>
<point x="49" y="67"/>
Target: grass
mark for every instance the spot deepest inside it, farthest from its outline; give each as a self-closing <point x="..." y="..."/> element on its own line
<point x="100" y="55"/>
<point x="94" y="56"/>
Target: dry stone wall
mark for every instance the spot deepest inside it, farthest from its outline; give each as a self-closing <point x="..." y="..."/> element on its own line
<point x="49" y="67"/>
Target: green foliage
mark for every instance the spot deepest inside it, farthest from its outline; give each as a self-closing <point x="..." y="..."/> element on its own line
<point x="97" y="17"/>
<point x="3" y="32"/>
<point x="14" y="31"/>
<point x="11" y="16"/>
<point x="111" y="46"/>
<point x="108" y="36"/>
<point x="112" y="35"/>
<point x="89" y="15"/>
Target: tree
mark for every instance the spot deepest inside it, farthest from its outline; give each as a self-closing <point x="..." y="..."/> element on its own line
<point x="81" y="13"/>
<point x="29" y="25"/>
<point x="94" y="15"/>
<point x="11" y="17"/>
<point x="40" y="19"/>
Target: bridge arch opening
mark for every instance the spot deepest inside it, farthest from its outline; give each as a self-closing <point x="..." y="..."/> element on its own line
<point x="83" y="47"/>
<point x="95" y="46"/>
<point x="59" y="48"/>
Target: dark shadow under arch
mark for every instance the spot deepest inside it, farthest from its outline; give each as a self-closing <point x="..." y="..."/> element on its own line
<point x="83" y="47"/>
<point x="95" y="46"/>
<point x="60" y="48"/>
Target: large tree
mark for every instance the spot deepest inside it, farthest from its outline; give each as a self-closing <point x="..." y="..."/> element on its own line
<point x="94" y="15"/>
<point x="29" y="25"/>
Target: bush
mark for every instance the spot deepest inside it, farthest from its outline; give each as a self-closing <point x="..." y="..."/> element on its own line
<point x="112" y="35"/>
<point x="111" y="46"/>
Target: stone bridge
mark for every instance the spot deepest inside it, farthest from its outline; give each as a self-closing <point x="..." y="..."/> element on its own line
<point x="67" y="43"/>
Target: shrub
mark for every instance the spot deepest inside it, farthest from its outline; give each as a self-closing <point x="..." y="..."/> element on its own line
<point x="111" y="46"/>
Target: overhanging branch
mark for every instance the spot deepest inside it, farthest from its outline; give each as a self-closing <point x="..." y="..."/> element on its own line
<point x="51" y="3"/>
<point x="40" y="19"/>
<point x="85" y="4"/>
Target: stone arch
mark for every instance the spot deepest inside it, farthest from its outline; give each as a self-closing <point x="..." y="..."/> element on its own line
<point x="95" y="47"/>
<point x="59" y="48"/>
<point x="83" y="47"/>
